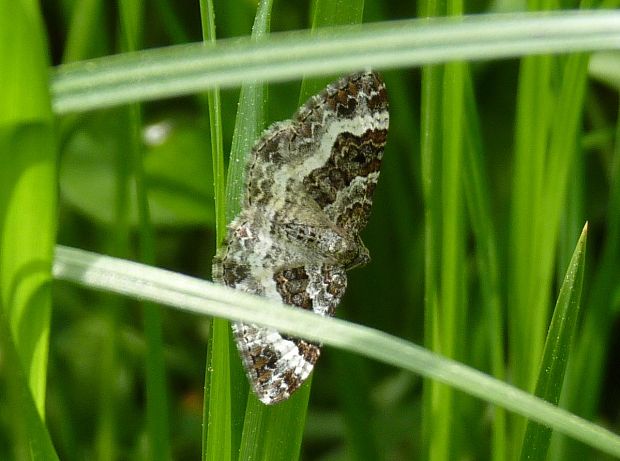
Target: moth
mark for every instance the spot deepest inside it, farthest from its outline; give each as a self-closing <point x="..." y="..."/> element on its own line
<point x="308" y="194"/>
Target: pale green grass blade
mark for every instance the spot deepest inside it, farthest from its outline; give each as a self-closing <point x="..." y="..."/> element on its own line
<point x="186" y="69"/>
<point x="557" y="348"/>
<point x="605" y="66"/>
<point x="198" y="296"/>
<point x="27" y="190"/>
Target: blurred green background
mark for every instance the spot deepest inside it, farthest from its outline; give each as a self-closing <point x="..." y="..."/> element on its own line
<point x="358" y="409"/>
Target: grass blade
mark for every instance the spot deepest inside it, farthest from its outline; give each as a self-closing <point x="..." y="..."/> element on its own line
<point x="32" y="439"/>
<point x="249" y="123"/>
<point x="131" y="17"/>
<point x="275" y="433"/>
<point x="27" y="189"/>
<point x="27" y="224"/>
<point x="585" y="370"/>
<point x="186" y="69"/>
<point x="556" y="351"/>
<point x="198" y="296"/>
<point x="217" y="426"/>
<point x="477" y="193"/>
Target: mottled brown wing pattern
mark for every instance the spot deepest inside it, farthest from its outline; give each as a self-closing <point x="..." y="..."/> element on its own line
<point x="309" y="187"/>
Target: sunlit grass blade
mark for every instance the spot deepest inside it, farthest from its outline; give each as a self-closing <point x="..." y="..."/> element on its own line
<point x="605" y="66"/>
<point x="198" y="296"/>
<point x="186" y="69"/>
<point x="27" y="190"/>
<point x="27" y="225"/>
<point x="31" y="440"/>
<point x="557" y="348"/>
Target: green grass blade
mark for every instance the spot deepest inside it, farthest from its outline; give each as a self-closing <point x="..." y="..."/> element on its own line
<point x="605" y="67"/>
<point x="199" y="296"/>
<point x="275" y="432"/>
<point x="217" y="433"/>
<point x="249" y="123"/>
<point x="585" y="371"/>
<point x="217" y="422"/>
<point x="430" y="150"/>
<point x="442" y="128"/>
<point x="534" y="103"/>
<point x="215" y="121"/>
<point x="557" y="347"/>
<point x="27" y="225"/>
<point x="325" y="14"/>
<point x="131" y="16"/>
<point x="32" y="440"/>
<point x="186" y="69"/>
<point x="83" y="30"/>
<point x="544" y="154"/>
<point x="477" y="194"/>
<point x="27" y="189"/>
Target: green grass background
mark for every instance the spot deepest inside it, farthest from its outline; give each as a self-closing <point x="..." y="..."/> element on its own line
<point x="490" y="173"/>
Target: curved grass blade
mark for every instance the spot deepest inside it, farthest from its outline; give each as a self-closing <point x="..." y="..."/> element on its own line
<point x="27" y="189"/>
<point x="32" y="439"/>
<point x="187" y="69"/>
<point x="198" y="296"/>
